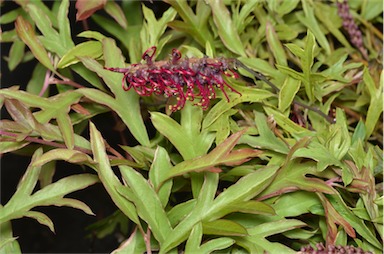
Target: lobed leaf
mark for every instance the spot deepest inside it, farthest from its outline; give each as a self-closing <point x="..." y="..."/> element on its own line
<point x="147" y="203"/>
<point x="107" y="176"/>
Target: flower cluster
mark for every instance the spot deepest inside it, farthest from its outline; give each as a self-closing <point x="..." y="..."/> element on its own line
<point x="185" y="79"/>
<point x="351" y="27"/>
<point x="332" y="249"/>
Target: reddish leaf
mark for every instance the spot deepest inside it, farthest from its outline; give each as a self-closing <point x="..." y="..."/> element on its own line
<point x="26" y="33"/>
<point x="333" y="218"/>
<point x="240" y="156"/>
<point x="86" y="8"/>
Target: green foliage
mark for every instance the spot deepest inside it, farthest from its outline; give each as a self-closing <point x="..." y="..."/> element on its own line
<point x="265" y="165"/>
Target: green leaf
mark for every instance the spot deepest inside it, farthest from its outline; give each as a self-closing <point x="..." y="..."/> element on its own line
<point x="16" y="54"/>
<point x="283" y="7"/>
<point x="22" y="201"/>
<point x="132" y="117"/>
<point x="42" y="21"/>
<point x="295" y="203"/>
<point x="195" y="25"/>
<point x="161" y="165"/>
<point x="371" y="9"/>
<point x="309" y="20"/>
<point x="208" y="162"/>
<point x="287" y="124"/>
<point x="293" y="176"/>
<point x="152" y="29"/>
<point x="107" y="176"/>
<point x="134" y="244"/>
<point x="329" y="17"/>
<point x="92" y="35"/>
<point x="92" y="49"/>
<point x="64" y="26"/>
<point x="376" y="103"/>
<point x="256" y="239"/>
<point x="262" y="66"/>
<point x="27" y="35"/>
<point x="41" y="218"/>
<point x="8" y="243"/>
<point x="306" y="64"/>
<point x="187" y="137"/>
<point x="357" y="224"/>
<point x="66" y="128"/>
<point x="224" y="227"/>
<point x="275" y="45"/>
<point x="71" y="156"/>
<point x="10" y="16"/>
<point x="114" y="10"/>
<point x="288" y="92"/>
<point x="245" y="189"/>
<point x="36" y="83"/>
<point x="194" y="239"/>
<point x="266" y="138"/>
<point x="204" y="201"/>
<point x="147" y="203"/>
<point x="120" y="33"/>
<point x="216" y="244"/>
<point x="249" y="94"/>
<point x="225" y="27"/>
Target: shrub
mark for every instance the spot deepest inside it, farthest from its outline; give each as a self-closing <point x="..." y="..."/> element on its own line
<point x="287" y="154"/>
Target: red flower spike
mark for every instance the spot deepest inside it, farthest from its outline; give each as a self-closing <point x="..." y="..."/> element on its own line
<point x="147" y="57"/>
<point x="185" y="79"/>
<point x="176" y="55"/>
